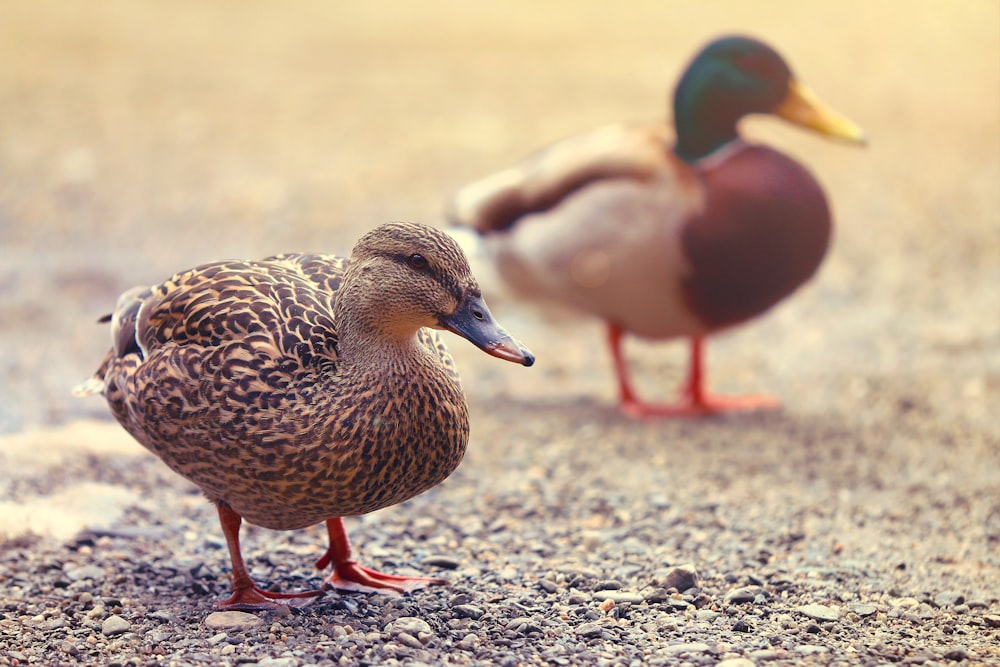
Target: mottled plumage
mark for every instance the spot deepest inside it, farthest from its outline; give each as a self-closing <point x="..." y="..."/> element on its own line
<point x="303" y="388"/>
<point x="666" y="234"/>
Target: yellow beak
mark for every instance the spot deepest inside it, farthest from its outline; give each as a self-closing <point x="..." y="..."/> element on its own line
<point x="803" y="108"/>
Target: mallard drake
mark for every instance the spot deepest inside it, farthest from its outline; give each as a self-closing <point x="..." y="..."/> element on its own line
<point x="666" y="234"/>
<point x="304" y="388"/>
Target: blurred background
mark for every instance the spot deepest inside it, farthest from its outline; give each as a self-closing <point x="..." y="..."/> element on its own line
<point x="139" y="138"/>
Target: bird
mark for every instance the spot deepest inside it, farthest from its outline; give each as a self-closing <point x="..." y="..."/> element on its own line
<point x="303" y="388"/>
<point x="665" y="234"/>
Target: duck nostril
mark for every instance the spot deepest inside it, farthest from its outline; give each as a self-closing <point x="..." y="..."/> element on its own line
<point x="478" y="314"/>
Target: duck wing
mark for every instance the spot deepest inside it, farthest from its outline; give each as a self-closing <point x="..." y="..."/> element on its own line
<point x="287" y="299"/>
<point x="221" y="358"/>
<point x="224" y="302"/>
<point x="539" y="182"/>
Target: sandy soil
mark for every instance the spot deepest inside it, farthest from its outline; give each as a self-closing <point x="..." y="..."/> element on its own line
<point x="137" y="139"/>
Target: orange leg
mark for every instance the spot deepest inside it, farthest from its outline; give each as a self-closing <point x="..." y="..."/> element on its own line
<point x="347" y="575"/>
<point x="247" y="596"/>
<point x="628" y="402"/>
<point x="695" y="401"/>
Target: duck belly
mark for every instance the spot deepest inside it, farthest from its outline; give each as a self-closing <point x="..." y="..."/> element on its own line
<point x="611" y="250"/>
<point x="339" y="472"/>
<point x="286" y="463"/>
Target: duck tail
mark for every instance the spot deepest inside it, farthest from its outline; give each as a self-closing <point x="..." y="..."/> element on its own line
<point x="95" y="383"/>
<point x="89" y="387"/>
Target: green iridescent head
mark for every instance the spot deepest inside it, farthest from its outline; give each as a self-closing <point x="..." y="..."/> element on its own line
<point x="736" y="76"/>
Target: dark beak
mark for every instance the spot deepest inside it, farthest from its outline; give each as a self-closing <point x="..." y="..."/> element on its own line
<point x="472" y="321"/>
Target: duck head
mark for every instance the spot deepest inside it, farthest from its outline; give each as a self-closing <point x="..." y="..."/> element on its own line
<point x="736" y="76"/>
<point x="403" y="276"/>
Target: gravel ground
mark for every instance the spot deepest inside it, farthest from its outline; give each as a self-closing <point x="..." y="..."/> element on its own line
<point x="859" y="525"/>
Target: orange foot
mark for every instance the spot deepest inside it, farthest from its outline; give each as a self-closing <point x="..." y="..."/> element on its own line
<point x="695" y="400"/>
<point x="349" y="576"/>
<point x="254" y="598"/>
<point x="702" y="406"/>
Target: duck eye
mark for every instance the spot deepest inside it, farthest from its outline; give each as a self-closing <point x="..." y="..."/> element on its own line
<point x="417" y="261"/>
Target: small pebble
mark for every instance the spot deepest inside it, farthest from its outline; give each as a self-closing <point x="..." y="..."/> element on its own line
<point x="608" y="585"/>
<point x="406" y="639"/>
<point x="619" y="597"/>
<point x="735" y="662"/>
<point x="681" y="577"/>
<point x="922" y="611"/>
<point x="164" y="616"/>
<point x="443" y="562"/>
<point x="282" y="661"/>
<point x="411" y="625"/>
<point x="819" y="612"/>
<point x="467" y="611"/>
<point x="658" y="595"/>
<point x="949" y="599"/>
<point x="86" y="572"/>
<point x="589" y="630"/>
<point x="114" y="625"/>
<point x="764" y="655"/>
<point x="222" y="620"/>
<point x="810" y="649"/>
<point x="52" y="624"/>
<point x="692" y="647"/>
<point x="548" y="585"/>
<point x="744" y="594"/>
<point x="863" y="609"/>
<point x="523" y="625"/>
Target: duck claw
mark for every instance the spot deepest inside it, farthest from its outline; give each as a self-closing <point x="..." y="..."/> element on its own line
<point x="257" y="599"/>
<point x="353" y="577"/>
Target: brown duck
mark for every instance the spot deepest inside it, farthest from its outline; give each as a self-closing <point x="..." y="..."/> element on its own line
<point x="304" y="388"/>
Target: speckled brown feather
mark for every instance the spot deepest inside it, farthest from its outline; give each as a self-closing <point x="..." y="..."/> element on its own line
<point x="232" y="375"/>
